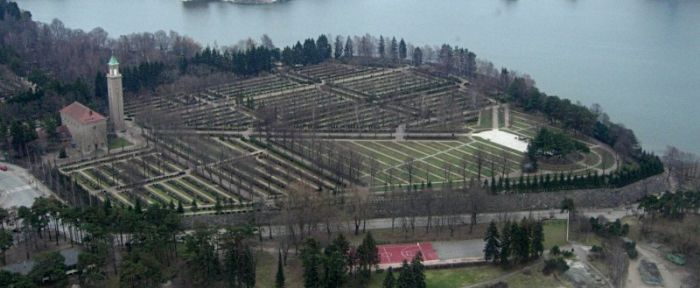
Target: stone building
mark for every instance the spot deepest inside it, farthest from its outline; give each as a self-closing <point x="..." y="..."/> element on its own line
<point x="115" y="96"/>
<point x="88" y="128"/>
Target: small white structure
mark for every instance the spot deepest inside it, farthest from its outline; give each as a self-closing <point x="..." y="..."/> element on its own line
<point x="88" y="128"/>
<point x="503" y="138"/>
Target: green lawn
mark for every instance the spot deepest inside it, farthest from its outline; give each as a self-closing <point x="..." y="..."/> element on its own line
<point x="450" y="278"/>
<point x="116" y="143"/>
<point x="486" y="119"/>
<point x="554" y="233"/>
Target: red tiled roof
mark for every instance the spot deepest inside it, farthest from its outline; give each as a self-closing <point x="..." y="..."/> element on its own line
<point x="81" y="113"/>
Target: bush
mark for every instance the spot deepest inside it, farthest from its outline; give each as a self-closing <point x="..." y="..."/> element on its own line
<point x="631" y="248"/>
<point x="568" y="254"/>
<point x="555" y="250"/>
<point x="596" y="249"/>
<point x="555" y="265"/>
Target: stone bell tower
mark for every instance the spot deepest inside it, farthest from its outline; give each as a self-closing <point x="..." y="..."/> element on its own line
<point x="115" y="96"/>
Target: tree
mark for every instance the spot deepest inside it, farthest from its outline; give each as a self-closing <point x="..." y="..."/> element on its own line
<point x="389" y="279"/>
<point x="417" y="57"/>
<point x="5" y="243"/>
<point x="335" y="268"/>
<point x="338" y="47"/>
<point x="520" y="242"/>
<point x="49" y="265"/>
<point x="538" y="239"/>
<point x="381" y="49"/>
<point x="180" y="209"/>
<point x="418" y="271"/>
<point x="348" y="51"/>
<point x="201" y="257"/>
<point x="311" y="260"/>
<point x="393" y="49"/>
<point x="324" y="48"/>
<point x="279" y="278"/>
<point x="506" y="240"/>
<point x="402" y="50"/>
<point x="367" y="253"/>
<point x="406" y="279"/>
<point x="491" y="250"/>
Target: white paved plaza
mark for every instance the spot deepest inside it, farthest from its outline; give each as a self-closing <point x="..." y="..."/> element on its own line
<point x="503" y="138"/>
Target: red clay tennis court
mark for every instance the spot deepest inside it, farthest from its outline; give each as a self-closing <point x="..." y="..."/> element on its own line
<point x="396" y="253"/>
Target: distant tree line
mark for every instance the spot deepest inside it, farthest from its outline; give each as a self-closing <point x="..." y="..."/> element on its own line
<point x="671" y="205"/>
<point x="647" y="165"/>
<point x="249" y="61"/>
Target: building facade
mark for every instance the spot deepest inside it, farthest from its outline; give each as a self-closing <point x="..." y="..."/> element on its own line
<point x="88" y="128"/>
<point x="115" y="96"/>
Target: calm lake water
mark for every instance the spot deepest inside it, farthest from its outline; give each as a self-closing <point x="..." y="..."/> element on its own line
<point x="639" y="59"/>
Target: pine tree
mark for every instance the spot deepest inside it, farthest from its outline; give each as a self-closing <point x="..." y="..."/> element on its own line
<point x="491" y="251"/>
<point x="505" y="252"/>
<point x="389" y="279"/>
<point x="310" y="257"/>
<point x="335" y="268"/>
<point x="418" y="271"/>
<point x="349" y="49"/>
<point x="338" y="47"/>
<point x="402" y="50"/>
<point x="538" y="239"/>
<point x="406" y="279"/>
<point x="194" y="207"/>
<point x="248" y="269"/>
<point x="520" y="241"/>
<point x="180" y="209"/>
<point x="217" y="206"/>
<point x="279" y="278"/>
<point x="394" y="49"/>
<point x="367" y="253"/>
<point x="382" y="48"/>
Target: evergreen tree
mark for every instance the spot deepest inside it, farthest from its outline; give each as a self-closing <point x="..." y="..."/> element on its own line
<point x="180" y="209"/>
<point x="338" y="47"/>
<point x="217" y="206"/>
<point x="506" y="240"/>
<point x="367" y="253"/>
<point x="402" y="50"/>
<point x="394" y="49"/>
<point x="248" y="268"/>
<point x="491" y="251"/>
<point x="417" y="57"/>
<point x="389" y="279"/>
<point x="348" y="51"/>
<point x="324" y="48"/>
<point x="335" y="269"/>
<point x="381" y="49"/>
<point x="406" y="279"/>
<point x="311" y="260"/>
<point x="194" y="207"/>
<point x="538" y="239"/>
<point x="520" y="242"/>
<point x="418" y="271"/>
<point x="279" y="278"/>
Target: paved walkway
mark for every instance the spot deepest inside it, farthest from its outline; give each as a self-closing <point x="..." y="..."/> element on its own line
<point x="19" y="188"/>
